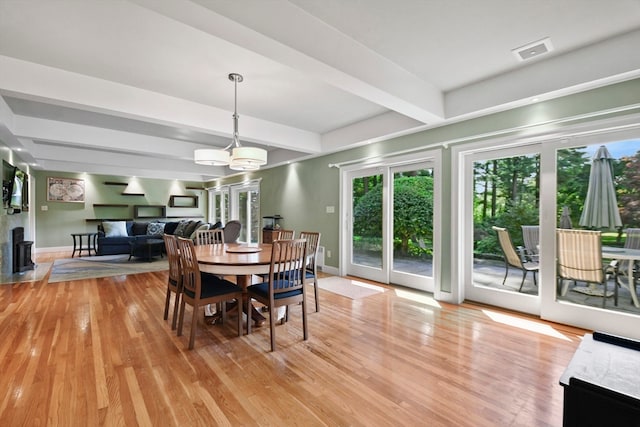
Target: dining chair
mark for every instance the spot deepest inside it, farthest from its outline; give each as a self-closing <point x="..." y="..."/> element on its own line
<point x="313" y="242"/>
<point x="579" y="259"/>
<point x="281" y="235"/>
<point x="285" y="284"/>
<point x="202" y="288"/>
<point x="513" y="259"/>
<point x="286" y="234"/>
<point x="209" y="237"/>
<point x="232" y="231"/>
<point x="174" y="283"/>
<point x="531" y="240"/>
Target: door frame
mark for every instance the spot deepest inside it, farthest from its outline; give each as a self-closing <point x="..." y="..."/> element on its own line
<point x="432" y="156"/>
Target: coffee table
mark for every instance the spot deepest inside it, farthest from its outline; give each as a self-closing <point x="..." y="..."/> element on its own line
<point x="146" y="249"/>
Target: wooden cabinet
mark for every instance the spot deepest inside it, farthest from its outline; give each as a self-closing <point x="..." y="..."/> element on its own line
<point x="268" y="236"/>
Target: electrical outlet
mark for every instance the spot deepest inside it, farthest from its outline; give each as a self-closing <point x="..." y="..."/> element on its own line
<point x="44" y="208"/>
<point x="328" y="254"/>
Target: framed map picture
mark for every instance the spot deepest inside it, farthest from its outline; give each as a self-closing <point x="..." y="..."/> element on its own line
<point x="65" y="190"/>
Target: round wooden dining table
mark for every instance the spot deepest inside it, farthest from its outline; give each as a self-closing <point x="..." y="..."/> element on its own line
<point x="236" y="259"/>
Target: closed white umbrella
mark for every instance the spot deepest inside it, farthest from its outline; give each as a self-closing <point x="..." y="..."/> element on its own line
<point x="601" y="206"/>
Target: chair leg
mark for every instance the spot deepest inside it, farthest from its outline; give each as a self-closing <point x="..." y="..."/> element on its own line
<point x="524" y="276"/>
<point x="506" y="272"/>
<point x="194" y="326"/>
<point x="167" y="302"/>
<point x="315" y="292"/>
<point x="248" y="311"/>
<point x="305" y="332"/>
<point x="181" y="318"/>
<point x="175" y="310"/>
<point x="239" y="306"/>
<point x="272" y="326"/>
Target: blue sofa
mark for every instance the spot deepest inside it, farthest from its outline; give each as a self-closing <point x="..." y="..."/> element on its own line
<point x="118" y="243"/>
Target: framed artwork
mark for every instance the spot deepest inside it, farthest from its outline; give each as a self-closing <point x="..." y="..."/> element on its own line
<point x="65" y="190"/>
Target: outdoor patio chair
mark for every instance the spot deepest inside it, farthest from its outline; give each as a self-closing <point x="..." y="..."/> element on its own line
<point x="232" y="231"/>
<point x="579" y="258"/>
<point x="632" y="241"/>
<point x="513" y="259"/>
<point x="531" y="239"/>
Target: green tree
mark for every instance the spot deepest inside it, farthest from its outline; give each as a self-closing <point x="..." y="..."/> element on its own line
<point x="628" y="190"/>
<point x="413" y="211"/>
<point x="573" y="166"/>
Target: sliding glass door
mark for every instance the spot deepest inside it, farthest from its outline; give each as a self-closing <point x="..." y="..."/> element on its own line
<point x="390" y="223"/>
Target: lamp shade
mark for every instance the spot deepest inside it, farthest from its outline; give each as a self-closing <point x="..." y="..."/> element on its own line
<point x="248" y="158"/>
<point x="211" y="157"/>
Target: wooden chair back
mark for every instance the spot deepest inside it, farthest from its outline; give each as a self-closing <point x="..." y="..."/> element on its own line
<point x="174" y="282"/>
<point x="313" y="243"/>
<point x="210" y="237"/>
<point x="286" y="234"/>
<point x="285" y="285"/>
<point x="191" y="280"/>
<point x="216" y="290"/>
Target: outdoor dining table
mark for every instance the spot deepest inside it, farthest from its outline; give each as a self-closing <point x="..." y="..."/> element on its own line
<point x="236" y="259"/>
<point x="626" y="258"/>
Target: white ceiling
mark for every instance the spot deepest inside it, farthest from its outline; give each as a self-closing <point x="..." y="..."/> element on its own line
<point x="133" y="87"/>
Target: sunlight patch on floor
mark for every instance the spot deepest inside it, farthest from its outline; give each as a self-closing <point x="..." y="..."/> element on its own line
<point x="418" y="297"/>
<point x="367" y="285"/>
<point x="528" y="325"/>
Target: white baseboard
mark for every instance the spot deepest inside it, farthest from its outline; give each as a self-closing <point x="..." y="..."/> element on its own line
<point x="55" y="249"/>
<point x="330" y="270"/>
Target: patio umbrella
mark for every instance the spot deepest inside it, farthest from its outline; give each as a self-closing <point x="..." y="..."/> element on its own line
<point x="565" y="218"/>
<point x="601" y="206"/>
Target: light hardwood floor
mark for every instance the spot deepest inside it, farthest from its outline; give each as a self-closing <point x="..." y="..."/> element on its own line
<point x="97" y="352"/>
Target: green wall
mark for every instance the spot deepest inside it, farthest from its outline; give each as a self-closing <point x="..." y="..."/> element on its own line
<point x="55" y="224"/>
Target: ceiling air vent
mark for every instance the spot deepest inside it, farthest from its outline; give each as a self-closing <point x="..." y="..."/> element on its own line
<point x="533" y="50"/>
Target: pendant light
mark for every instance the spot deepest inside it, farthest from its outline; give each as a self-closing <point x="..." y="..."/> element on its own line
<point x="241" y="158"/>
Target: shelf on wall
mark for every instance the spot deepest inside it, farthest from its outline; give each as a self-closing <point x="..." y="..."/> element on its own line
<point x="194" y="188"/>
<point x="132" y="194"/>
<point x="109" y="205"/>
<point x="149" y="211"/>
<point x="116" y="183"/>
<point x="107" y="219"/>
<point x="178" y="201"/>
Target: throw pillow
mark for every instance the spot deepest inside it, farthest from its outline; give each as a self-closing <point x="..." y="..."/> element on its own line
<point x="181" y="228"/>
<point x="170" y="227"/>
<point x="115" y="229"/>
<point x="155" y="229"/>
<point x="191" y="228"/>
<point x="204" y="226"/>
<point x="139" y="228"/>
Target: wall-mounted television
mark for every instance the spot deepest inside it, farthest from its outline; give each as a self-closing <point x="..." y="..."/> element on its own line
<point x="15" y="184"/>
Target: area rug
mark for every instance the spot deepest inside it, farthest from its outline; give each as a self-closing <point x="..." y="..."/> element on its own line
<point x="349" y="288"/>
<point x="102" y="266"/>
<point x="587" y="290"/>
